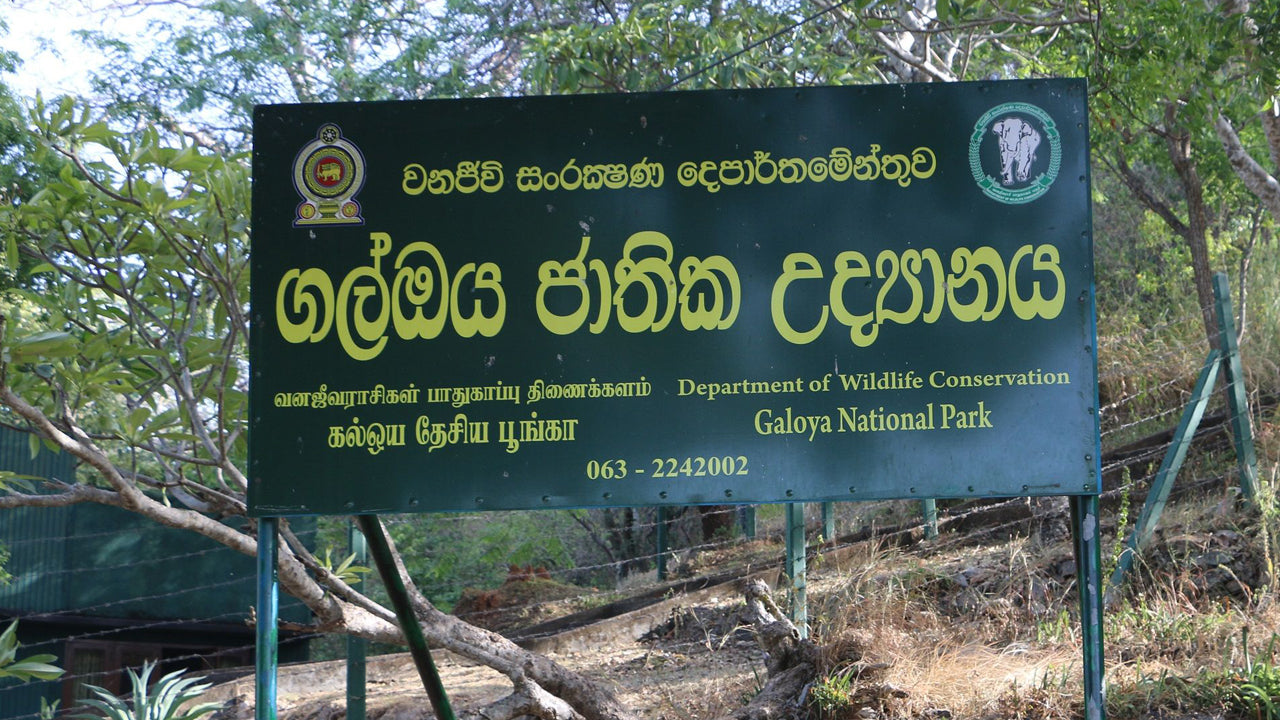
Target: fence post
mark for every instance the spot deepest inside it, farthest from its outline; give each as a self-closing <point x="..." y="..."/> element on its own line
<point x="1237" y="400"/>
<point x="1158" y="495"/>
<point x="267" y="653"/>
<point x="662" y="542"/>
<point x="929" y="508"/>
<point x="357" y="648"/>
<point x="748" y="517"/>
<point x="796" y="567"/>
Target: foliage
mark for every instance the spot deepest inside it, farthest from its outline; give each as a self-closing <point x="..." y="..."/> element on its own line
<point x="1253" y="690"/>
<point x="1161" y="73"/>
<point x="136" y="314"/>
<point x="22" y="173"/>
<point x="346" y="570"/>
<point x="209" y="69"/>
<point x="1250" y="690"/>
<point x="162" y="701"/>
<point x="1120" y="541"/>
<point x="445" y="554"/>
<point x="712" y="44"/>
<point x="832" y="694"/>
<point x="35" y="667"/>
<point x="126" y="239"/>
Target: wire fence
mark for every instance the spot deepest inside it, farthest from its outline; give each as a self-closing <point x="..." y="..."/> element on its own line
<point x="591" y="554"/>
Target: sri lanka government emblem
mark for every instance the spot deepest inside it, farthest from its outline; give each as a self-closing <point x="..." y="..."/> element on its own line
<point x="328" y="173"/>
<point x="1015" y="153"/>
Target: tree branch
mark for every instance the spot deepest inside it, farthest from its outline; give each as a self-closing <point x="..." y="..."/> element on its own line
<point x="70" y="494"/>
<point x="1141" y="190"/>
<point x="1259" y="182"/>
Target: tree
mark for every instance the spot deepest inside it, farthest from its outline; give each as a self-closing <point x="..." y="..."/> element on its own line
<point x="1167" y="76"/>
<point x="141" y="285"/>
<point x="124" y="344"/>
<point x="202" y="75"/>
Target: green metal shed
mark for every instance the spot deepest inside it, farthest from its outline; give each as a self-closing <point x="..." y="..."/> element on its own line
<point x="104" y="589"/>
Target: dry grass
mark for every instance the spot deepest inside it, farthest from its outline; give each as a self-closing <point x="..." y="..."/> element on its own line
<point x="992" y="632"/>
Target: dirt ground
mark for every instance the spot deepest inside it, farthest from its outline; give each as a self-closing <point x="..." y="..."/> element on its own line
<point x="665" y="675"/>
<point x="967" y="632"/>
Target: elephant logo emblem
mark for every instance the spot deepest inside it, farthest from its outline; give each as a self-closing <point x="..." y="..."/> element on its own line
<point x="328" y="173"/>
<point x="1015" y="153"/>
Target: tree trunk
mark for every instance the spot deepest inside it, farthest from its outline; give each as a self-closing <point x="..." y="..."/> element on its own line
<point x="716" y="519"/>
<point x="1196" y="234"/>
<point x="792" y="662"/>
<point x="1195" y="230"/>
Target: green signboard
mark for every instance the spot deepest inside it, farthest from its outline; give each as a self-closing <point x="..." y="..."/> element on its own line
<point x="837" y="293"/>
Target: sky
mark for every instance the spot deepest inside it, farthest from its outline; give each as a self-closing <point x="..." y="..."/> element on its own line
<point x="42" y="32"/>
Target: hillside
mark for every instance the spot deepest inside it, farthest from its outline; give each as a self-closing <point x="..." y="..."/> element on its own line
<point x="974" y="624"/>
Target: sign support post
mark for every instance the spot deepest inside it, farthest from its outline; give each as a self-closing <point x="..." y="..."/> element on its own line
<point x="747" y="514"/>
<point x="929" y="509"/>
<point x="267" y="662"/>
<point x="1088" y="556"/>
<point x="382" y="557"/>
<point x="357" y="648"/>
<point x="796" y="567"/>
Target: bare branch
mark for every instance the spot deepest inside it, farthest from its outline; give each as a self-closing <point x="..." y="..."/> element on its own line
<point x="69" y="494"/>
<point x="1259" y="182"/>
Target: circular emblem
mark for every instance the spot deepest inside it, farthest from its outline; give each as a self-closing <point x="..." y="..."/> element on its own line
<point x="1015" y="153"/>
<point x="329" y="171"/>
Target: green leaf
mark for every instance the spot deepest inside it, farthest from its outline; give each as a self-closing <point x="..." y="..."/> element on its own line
<point x="9" y="644"/>
<point x="50" y="344"/>
<point x="10" y="480"/>
<point x="37" y="667"/>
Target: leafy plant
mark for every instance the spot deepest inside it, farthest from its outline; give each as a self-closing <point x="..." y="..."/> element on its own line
<point x="1254" y="691"/>
<point x="345" y="570"/>
<point x="163" y="701"/>
<point x="832" y="694"/>
<point x="1122" y="523"/>
<point x="36" y="667"/>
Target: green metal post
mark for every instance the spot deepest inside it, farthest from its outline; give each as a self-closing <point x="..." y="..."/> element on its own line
<point x="749" y="521"/>
<point x="662" y="543"/>
<point x="796" y="567"/>
<point x="357" y="648"/>
<point x="267" y="665"/>
<point x="1088" y="555"/>
<point x="380" y="549"/>
<point x="1158" y="495"/>
<point x="1237" y="399"/>
<point x="828" y="522"/>
<point x="929" y="508"/>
